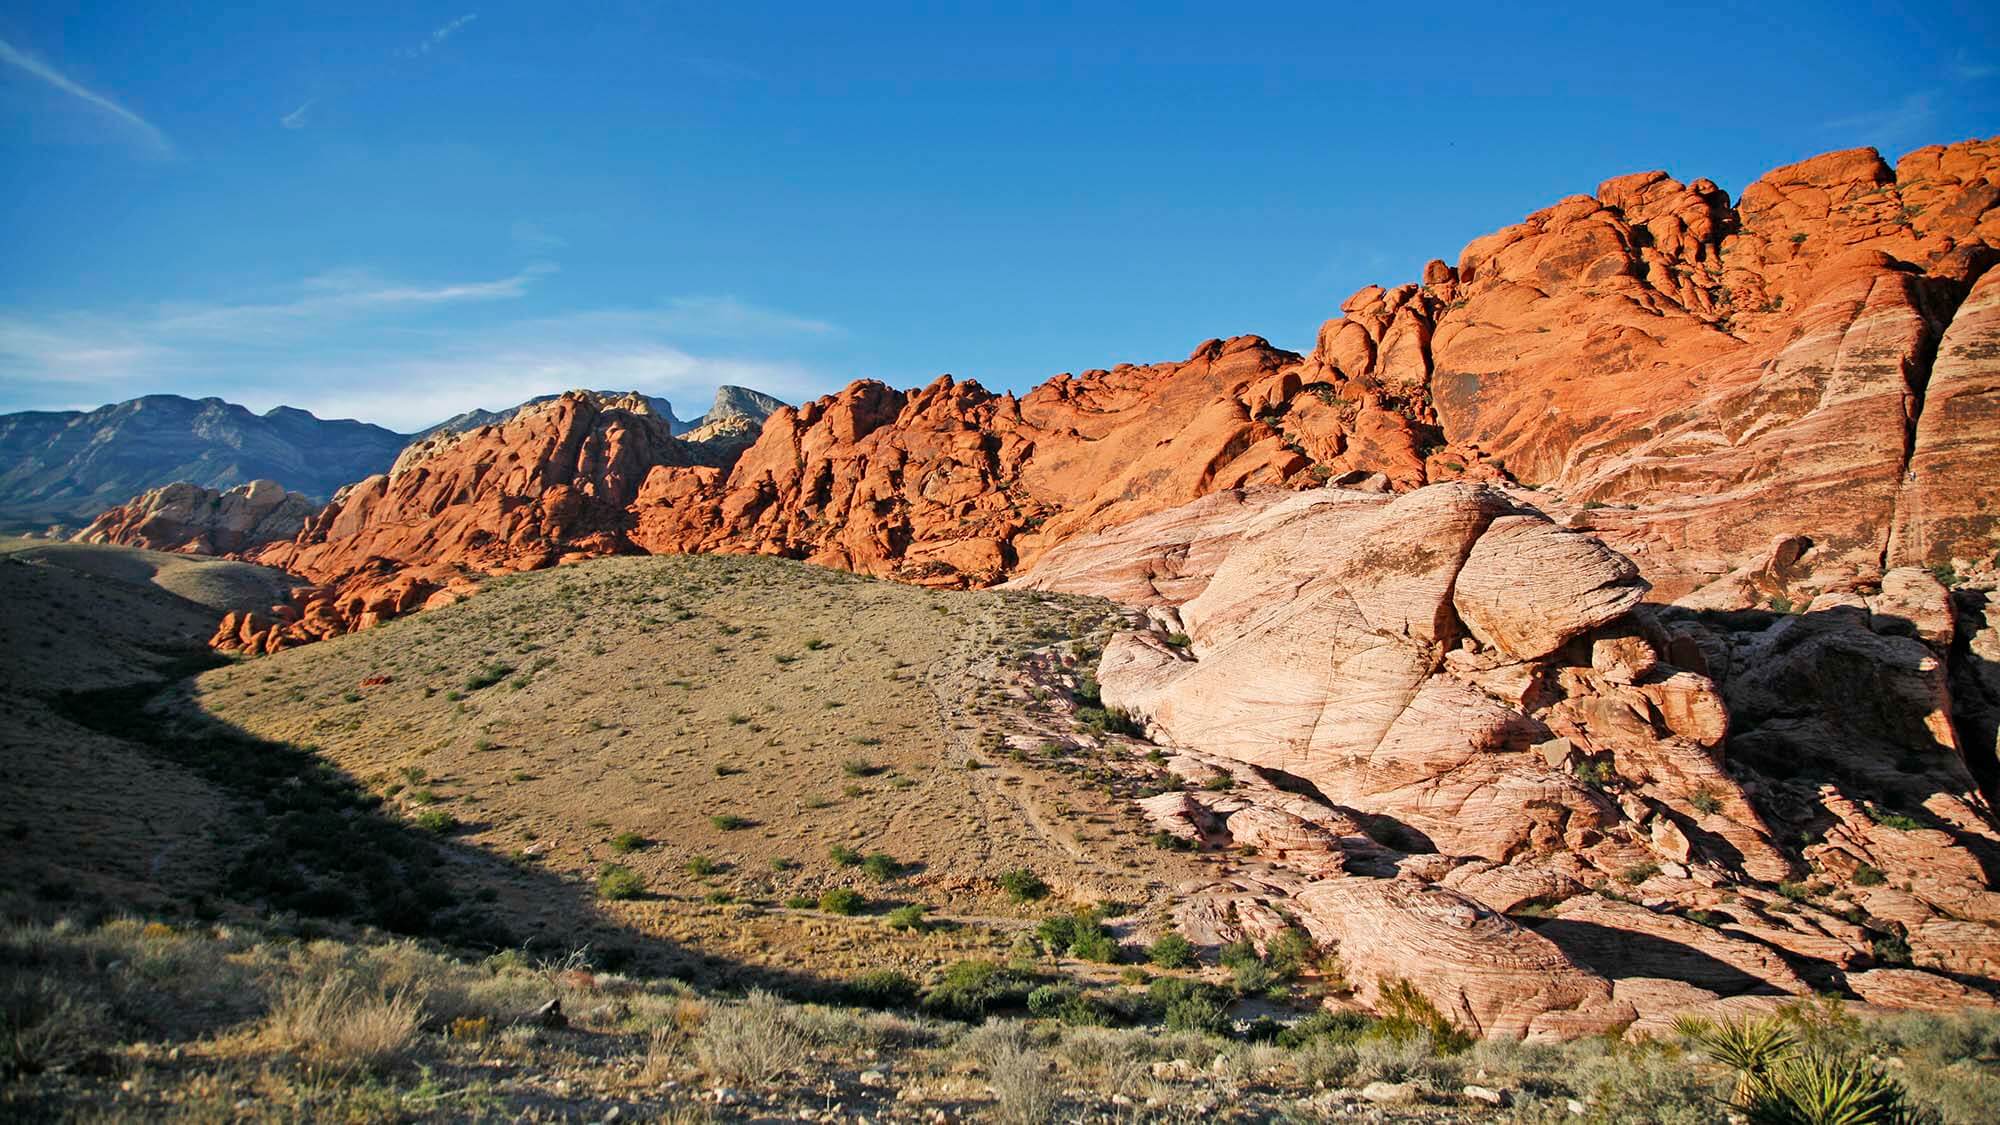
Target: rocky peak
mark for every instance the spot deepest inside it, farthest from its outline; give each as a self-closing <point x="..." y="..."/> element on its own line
<point x="190" y="519"/>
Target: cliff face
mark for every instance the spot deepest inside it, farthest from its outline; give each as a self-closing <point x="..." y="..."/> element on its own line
<point x="1773" y="399"/>
<point x="1733" y="374"/>
<point x="1814" y="363"/>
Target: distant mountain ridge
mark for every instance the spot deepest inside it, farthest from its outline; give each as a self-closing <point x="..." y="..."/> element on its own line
<point x="732" y="404"/>
<point x="68" y="466"/>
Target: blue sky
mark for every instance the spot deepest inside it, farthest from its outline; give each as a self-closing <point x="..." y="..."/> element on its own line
<point x="398" y="211"/>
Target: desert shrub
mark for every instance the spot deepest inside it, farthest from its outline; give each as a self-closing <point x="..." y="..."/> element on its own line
<point x="1023" y="885"/>
<point x="487" y="676"/>
<point x="1172" y="952"/>
<point x="1079" y="933"/>
<point x="841" y="900"/>
<point x="1325" y="1060"/>
<point x="342" y="1021"/>
<point x="703" y="866"/>
<point x="970" y="990"/>
<point x="616" y="881"/>
<point x="1197" y="1012"/>
<point x="1408" y="1013"/>
<point x="882" y="866"/>
<point x="1190" y="1005"/>
<point x="1047" y="1001"/>
<point x="1639" y="872"/>
<point x="843" y="855"/>
<point x="907" y="917"/>
<point x="859" y="767"/>
<point x="47" y="1024"/>
<point x="1291" y="953"/>
<point x="882" y="988"/>
<point x="1867" y="876"/>
<point x="729" y="822"/>
<point x="435" y="820"/>
<point x="1024" y="1092"/>
<point x="626" y="842"/>
<point x="1413" y="1059"/>
<point x="1336" y="1027"/>
<point x="752" y="1042"/>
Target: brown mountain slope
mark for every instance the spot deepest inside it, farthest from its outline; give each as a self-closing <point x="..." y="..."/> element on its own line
<point x="1705" y="378"/>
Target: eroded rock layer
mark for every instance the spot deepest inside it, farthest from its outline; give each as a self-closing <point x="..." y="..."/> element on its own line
<point x="1475" y="758"/>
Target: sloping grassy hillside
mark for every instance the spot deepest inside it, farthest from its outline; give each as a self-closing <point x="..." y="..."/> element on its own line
<point x="742" y="735"/>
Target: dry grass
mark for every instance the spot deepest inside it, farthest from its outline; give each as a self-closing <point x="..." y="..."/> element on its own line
<point x="341" y="1021"/>
<point x="646" y="702"/>
<point x="755" y="1041"/>
<point x="127" y="1020"/>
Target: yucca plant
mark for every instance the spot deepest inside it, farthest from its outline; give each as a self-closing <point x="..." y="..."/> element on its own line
<point x="1824" y="1087"/>
<point x="1751" y="1048"/>
<point x="1780" y="1083"/>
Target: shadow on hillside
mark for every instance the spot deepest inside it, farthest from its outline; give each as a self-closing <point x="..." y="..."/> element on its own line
<point x="313" y="853"/>
<point x="1847" y="698"/>
<point x="1616" y="954"/>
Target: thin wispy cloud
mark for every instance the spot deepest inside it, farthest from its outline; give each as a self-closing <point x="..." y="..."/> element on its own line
<point x="297" y="118"/>
<point x="437" y="37"/>
<point x="1905" y="120"/>
<point x="532" y="236"/>
<point x="1963" y="68"/>
<point x="21" y="60"/>
<point x="350" y="343"/>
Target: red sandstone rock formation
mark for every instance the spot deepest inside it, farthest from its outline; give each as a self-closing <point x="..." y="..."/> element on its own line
<point x="190" y="519"/>
<point x="1742" y="399"/>
<point x="551" y="483"/>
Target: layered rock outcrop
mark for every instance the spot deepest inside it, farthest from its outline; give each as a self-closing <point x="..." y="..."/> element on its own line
<point x="189" y="519"/>
<point x="1441" y="709"/>
<point x="553" y="482"/>
<point x="1755" y="403"/>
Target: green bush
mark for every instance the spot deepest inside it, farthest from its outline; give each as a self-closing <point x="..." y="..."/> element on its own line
<point x="702" y="865"/>
<point x="626" y="842"/>
<point x="1333" y="1027"/>
<point x="1023" y="885"/>
<point x="729" y="822"/>
<point x="1238" y="954"/>
<point x="1060" y="933"/>
<point x="882" y="988"/>
<point x="1867" y="876"/>
<point x="882" y="866"/>
<point x="841" y="900"/>
<point x="1172" y="952"/>
<point x="617" y="881"/>
<point x="907" y="917"/>
<point x="843" y="855"/>
<point x="1187" y="1005"/>
<point x="1407" y="1013"/>
<point x="487" y="676"/>
<point x="436" y="820"/>
<point x="970" y="990"/>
